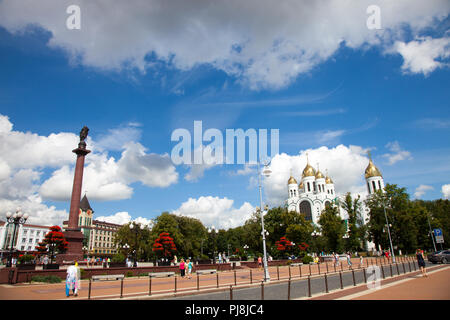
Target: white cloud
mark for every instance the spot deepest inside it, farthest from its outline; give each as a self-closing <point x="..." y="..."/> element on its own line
<point x="421" y="190"/>
<point x="345" y="165"/>
<point x="25" y="156"/>
<point x="397" y="153"/>
<point x="446" y="191"/>
<point x="124" y="217"/>
<point x="215" y="211"/>
<point x="423" y="54"/>
<point x="264" y="43"/>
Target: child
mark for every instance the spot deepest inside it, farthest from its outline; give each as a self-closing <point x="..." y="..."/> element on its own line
<point x="189" y="267"/>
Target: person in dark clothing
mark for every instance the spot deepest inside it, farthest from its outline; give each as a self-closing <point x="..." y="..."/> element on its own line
<point x="421" y="262"/>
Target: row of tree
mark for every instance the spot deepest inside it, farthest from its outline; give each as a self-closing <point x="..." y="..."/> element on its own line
<point x="289" y="233"/>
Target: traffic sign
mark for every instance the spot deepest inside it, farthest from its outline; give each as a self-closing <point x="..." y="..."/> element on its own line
<point x="438" y="235"/>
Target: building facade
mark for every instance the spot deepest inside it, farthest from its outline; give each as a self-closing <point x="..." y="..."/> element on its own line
<point x="98" y="235"/>
<point x="27" y="237"/>
<point x="316" y="191"/>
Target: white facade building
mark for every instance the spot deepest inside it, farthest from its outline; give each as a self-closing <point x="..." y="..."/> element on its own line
<point x="316" y="191"/>
<point x="27" y="236"/>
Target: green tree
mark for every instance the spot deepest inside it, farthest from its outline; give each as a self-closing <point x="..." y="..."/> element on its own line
<point x="332" y="228"/>
<point x="356" y="227"/>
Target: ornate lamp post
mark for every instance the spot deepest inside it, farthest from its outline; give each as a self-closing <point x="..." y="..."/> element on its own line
<point x="17" y="219"/>
<point x="136" y="228"/>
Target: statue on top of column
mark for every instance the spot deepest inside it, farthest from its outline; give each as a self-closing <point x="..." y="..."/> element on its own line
<point x="84" y="133"/>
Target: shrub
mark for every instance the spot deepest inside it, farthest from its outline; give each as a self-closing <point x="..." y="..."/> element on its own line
<point x="47" y="279"/>
<point x="129" y="274"/>
<point x="118" y="258"/>
<point x="307" y="259"/>
<point x="26" y="258"/>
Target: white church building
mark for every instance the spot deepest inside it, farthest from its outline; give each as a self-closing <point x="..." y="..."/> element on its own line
<point x="316" y="191"/>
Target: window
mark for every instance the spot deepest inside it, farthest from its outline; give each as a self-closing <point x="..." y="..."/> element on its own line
<point x="374" y="186"/>
<point x="30" y="240"/>
<point x="379" y="184"/>
<point x="309" y="188"/>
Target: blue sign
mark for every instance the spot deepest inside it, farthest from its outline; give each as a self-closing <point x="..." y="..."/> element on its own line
<point x="437" y="232"/>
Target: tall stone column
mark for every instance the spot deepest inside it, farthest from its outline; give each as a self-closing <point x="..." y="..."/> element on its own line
<point x="73" y="233"/>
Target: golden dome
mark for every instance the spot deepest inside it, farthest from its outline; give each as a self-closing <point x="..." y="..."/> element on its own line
<point x="308" y="171"/>
<point x="292" y="180"/>
<point x="301" y="186"/>
<point x="372" y="170"/>
<point x="319" y="175"/>
<point x="328" y="180"/>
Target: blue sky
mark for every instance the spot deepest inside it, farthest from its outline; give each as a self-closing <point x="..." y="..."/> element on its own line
<point x="372" y="95"/>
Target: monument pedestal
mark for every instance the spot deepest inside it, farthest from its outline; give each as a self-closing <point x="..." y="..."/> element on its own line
<point x="75" y="247"/>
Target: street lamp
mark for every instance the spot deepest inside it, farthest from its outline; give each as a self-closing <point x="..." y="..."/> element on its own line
<point x="389" y="231"/>
<point x="136" y="227"/>
<point x="18" y="218"/>
<point x="266" y="173"/>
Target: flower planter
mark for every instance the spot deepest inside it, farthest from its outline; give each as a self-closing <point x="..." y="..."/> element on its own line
<point x="26" y="266"/>
<point x="117" y="265"/>
<point x="51" y="266"/>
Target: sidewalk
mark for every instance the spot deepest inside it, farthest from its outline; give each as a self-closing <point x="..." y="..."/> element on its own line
<point x="404" y="287"/>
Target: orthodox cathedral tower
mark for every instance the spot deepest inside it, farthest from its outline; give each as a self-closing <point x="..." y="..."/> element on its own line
<point x="317" y="191"/>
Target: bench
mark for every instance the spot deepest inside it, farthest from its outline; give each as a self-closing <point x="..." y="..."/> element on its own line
<point x="161" y="274"/>
<point x="206" y="271"/>
<point x="108" y="277"/>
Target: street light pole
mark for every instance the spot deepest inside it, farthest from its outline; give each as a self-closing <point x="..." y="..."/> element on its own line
<point x="389" y="231"/>
<point x="18" y="218"/>
<point x="263" y="232"/>
<point x="431" y="233"/>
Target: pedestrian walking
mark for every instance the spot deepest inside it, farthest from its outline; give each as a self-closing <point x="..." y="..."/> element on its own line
<point x="360" y="261"/>
<point x="189" y="267"/>
<point x="421" y="262"/>
<point x="182" y="268"/>
<point x="336" y="259"/>
<point x="259" y="262"/>
<point x="73" y="280"/>
<point x="108" y="262"/>
<point x="220" y="257"/>
<point x="175" y="260"/>
<point x="349" y="259"/>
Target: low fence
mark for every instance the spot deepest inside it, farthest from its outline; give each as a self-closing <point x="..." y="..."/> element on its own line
<point x="313" y="279"/>
<point x="15" y="275"/>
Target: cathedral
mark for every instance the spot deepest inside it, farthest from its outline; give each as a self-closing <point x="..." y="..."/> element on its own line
<point x="316" y="191"/>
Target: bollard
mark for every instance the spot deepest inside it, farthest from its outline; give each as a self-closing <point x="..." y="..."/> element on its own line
<point x="234" y="277"/>
<point x="198" y="281"/>
<point x="340" y="278"/>
<point x="353" y="275"/>
<point x="309" y="286"/>
<point x="398" y="271"/>
<point x="175" y="283"/>
<point x="342" y="267"/>
<point x="150" y="286"/>
<point x="318" y="267"/>
<point x="365" y="276"/>
<point x="390" y="267"/>
<point x="89" y="292"/>
<point x="409" y="265"/>
<point x="327" y="266"/>
<point x="403" y="265"/>
<point x="382" y="271"/>
<point x="262" y="289"/>
<point x="121" y="288"/>
<point x="251" y="278"/>
<point x="289" y="289"/>
<point x="300" y="270"/>
<point x="326" y="283"/>
<point x="289" y="267"/>
<point x="231" y="292"/>
<point x="310" y="269"/>
<point x="334" y="267"/>
<point x="217" y="278"/>
<point x="278" y="272"/>
<point x="367" y="261"/>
